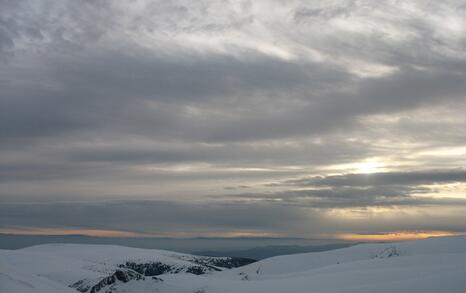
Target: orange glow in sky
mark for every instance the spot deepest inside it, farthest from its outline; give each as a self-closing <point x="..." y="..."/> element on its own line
<point x="60" y="231"/>
<point x="396" y="236"/>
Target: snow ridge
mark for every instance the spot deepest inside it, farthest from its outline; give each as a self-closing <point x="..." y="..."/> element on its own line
<point x="431" y="265"/>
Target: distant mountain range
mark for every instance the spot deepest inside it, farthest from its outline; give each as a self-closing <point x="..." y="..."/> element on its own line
<point x="252" y="247"/>
<point x="262" y="252"/>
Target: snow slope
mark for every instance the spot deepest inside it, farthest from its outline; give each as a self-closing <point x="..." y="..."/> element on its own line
<point x="306" y="261"/>
<point x="68" y="264"/>
<point x="431" y="265"/>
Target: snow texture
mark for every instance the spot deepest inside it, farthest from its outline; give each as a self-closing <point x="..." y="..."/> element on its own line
<point x="431" y="265"/>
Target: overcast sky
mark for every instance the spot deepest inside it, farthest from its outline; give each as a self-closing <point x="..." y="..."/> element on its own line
<point x="230" y="118"/>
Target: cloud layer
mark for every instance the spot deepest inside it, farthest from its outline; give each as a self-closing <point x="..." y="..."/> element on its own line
<point x="201" y="105"/>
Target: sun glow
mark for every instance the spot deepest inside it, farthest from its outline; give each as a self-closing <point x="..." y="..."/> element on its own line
<point x="396" y="236"/>
<point x="367" y="166"/>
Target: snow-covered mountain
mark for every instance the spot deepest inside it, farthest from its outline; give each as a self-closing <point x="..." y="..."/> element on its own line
<point x="431" y="265"/>
<point x="93" y="268"/>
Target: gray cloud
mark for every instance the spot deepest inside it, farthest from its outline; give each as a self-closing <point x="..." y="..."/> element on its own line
<point x="152" y="216"/>
<point x="412" y="178"/>
<point x="188" y="218"/>
<point x="86" y="85"/>
<point x="354" y="197"/>
<point x="187" y="99"/>
<point x="365" y="190"/>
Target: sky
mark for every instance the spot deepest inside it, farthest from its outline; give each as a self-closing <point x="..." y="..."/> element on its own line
<point x="314" y="119"/>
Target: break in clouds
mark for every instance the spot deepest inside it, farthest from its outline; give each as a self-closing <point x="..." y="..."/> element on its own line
<point x="291" y="118"/>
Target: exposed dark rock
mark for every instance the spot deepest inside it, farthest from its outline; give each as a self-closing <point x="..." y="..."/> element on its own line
<point x="138" y="271"/>
<point x="200" y="266"/>
<point x="224" y="262"/>
<point x="123" y="276"/>
<point x="149" y="269"/>
<point x="103" y="283"/>
<point x="80" y="286"/>
<point x="388" y="252"/>
<point x="197" y="270"/>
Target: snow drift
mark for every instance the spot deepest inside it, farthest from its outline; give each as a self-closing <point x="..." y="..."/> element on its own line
<point x="431" y="265"/>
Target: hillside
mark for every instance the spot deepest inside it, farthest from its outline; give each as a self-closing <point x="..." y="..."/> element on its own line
<point x="431" y="265"/>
